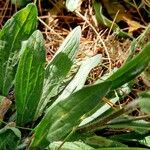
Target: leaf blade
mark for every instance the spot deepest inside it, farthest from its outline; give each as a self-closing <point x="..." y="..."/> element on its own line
<point x="131" y="69"/>
<point x="56" y="71"/>
<point x="68" y="114"/>
<point x="79" y="80"/>
<point x="29" y="78"/>
<point x="17" y="29"/>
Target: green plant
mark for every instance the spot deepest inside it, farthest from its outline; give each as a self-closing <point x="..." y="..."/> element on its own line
<point x="55" y="112"/>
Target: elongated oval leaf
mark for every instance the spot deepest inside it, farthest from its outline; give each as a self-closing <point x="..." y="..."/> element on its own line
<point x="58" y="68"/>
<point x="9" y="138"/>
<point x="101" y="142"/>
<point x="29" y="78"/>
<point x="53" y="78"/>
<point x="71" y="43"/>
<point x="131" y="69"/>
<point x="98" y="112"/>
<point x="61" y="119"/>
<point x="139" y="126"/>
<point x="145" y="141"/>
<point x="16" y="30"/>
<point x="102" y="20"/>
<point x="79" y="80"/>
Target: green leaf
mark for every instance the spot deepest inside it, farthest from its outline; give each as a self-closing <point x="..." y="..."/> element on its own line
<point x="71" y="43"/>
<point x="53" y="77"/>
<point x="115" y="120"/>
<point x="144" y="104"/>
<point x="131" y="69"/>
<point x="102" y="20"/>
<point x="103" y="109"/>
<point x="16" y="30"/>
<point x="100" y="109"/>
<point x="58" y="68"/>
<point x="1" y="98"/>
<point x="99" y="141"/>
<point x="146" y="76"/>
<point x="79" y="79"/>
<point x="144" y="94"/>
<point x="139" y="42"/>
<point x="9" y="138"/>
<point x="67" y="114"/>
<point x="128" y="137"/>
<point x="139" y="126"/>
<point x="29" y="78"/>
<point x="146" y="141"/>
<point x="70" y="146"/>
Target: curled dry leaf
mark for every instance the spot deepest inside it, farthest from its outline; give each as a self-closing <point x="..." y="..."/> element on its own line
<point x="118" y="13"/>
<point x="4" y="106"/>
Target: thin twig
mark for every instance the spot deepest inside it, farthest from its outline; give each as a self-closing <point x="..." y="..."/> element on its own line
<point x="113" y="22"/>
<point x="4" y="12"/>
<point x="50" y="28"/>
<point x="139" y="12"/>
<point x="98" y="36"/>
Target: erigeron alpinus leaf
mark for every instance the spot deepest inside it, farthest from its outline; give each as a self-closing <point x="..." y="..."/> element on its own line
<point x="79" y="79"/>
<point x="16" y="30"/>
<point x="102" y="142"/>
<point x="29" y="78"/>
<point x="58" y="67"/>
<point x="59" y="121"/>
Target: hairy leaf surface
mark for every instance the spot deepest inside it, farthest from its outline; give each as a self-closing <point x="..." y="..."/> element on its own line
<point x="29" y="78"/>
<point x="16" y="30"/>
<point x="67" y="114"/>
<point x="79" y="79"/>
<point x="58" y="68"/>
